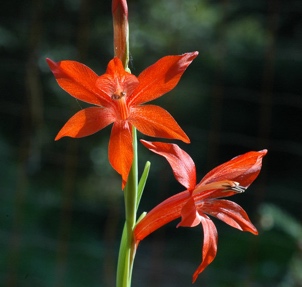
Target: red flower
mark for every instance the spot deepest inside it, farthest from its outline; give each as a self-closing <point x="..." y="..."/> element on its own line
<point x="118" y="96"/>
<point x="198" y="201"/>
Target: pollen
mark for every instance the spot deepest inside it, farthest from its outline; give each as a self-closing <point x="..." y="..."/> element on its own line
<point x="234" y="186"/>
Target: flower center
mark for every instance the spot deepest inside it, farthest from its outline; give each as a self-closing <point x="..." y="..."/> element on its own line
<point x="118" y="95"/>
<point x="119" y="98"/>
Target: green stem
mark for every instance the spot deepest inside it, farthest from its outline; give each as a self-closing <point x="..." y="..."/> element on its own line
<point x="127" y="247"/>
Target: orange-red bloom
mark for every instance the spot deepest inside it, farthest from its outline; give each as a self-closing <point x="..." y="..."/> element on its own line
<point x="118" y="96"/>
<point x="198" y="201"/>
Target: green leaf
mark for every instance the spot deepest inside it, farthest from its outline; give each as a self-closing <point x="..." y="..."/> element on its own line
<point x="142" y="182"/>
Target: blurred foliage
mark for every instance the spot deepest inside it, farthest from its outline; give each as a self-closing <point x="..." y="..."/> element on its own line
<point x="61" y="209"/>
<point x="272" y="216"/>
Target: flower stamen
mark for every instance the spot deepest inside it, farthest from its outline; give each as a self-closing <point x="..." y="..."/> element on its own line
<point x="234" y="186"/>
<point x="224" y="185"/>
<point x="118" y="95"/>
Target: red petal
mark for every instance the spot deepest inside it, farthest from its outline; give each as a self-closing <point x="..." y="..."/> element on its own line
<point x="86" y="122"/>
<point x="154" y="121"/>
<point x="121" y="150"/>
<point x="78" y="80"/>
<point x="160" y="215"/>
<point x="229" y="212"/>
<point x="189" y="214"/>
<point x="161" y="77"/>
<point x="209" y="249"/>
<point x="116" y="79"/>
<point x="243" y="169"/>
<point x="181" y="163"/>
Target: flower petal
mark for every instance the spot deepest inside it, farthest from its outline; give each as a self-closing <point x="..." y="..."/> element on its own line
<point x="160" y="215"/>
<point x="154" y="121"/>
<point x="189" y="214"/>
<point x="79" y="81"/>
<point x="116" y="80"/>
<point x="161" y="77"/>
<point x="229" y="212"/>
<point x="209" y="248"/>
<point x="120" y="149"/>
<point x="181" y="163"/>
<point x="243" y="169"/>
<point x="86" y="122"/>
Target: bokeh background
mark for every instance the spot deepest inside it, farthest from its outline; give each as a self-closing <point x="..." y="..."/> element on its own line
<point x="61" y="207"/>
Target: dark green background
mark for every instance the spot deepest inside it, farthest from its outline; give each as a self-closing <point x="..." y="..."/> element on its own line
<point x="61" y="207"/>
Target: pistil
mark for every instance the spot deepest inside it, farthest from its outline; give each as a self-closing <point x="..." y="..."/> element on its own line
<point x="121" y="106"/>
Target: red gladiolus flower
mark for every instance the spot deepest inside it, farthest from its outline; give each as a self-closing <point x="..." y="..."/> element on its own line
<point x="198" y="201"/>
<point x="118" y="96"/>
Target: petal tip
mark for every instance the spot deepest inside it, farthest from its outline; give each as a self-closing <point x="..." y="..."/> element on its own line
<point x="187" y="141"/>
<point x="184" y="138"/>
<point x="192" y="55"/>
<point x="254" y="231"/>
<point x="59" y="135"/>
<point x="263" y="152"/>
<point x="123" y="184"/>
<point x="52" y="64"/>
<point x="57" y="138"/>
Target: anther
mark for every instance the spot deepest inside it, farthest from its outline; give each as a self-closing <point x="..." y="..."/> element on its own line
<point x="117" y="96"/>
<point x="235" y="187"/>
